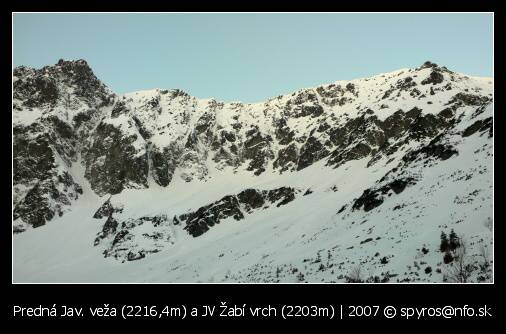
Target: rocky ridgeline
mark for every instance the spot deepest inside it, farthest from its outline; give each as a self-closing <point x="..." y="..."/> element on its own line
<point x="63" y="112"/>
<point x="131" y="239"/>
<point x="234" y="206"/>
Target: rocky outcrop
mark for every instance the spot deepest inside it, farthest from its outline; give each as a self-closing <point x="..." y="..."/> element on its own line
<point x="234" y="206"/>
<point x="435" y="77"/>
<point x="374" y="197"/>
<point x="435" y="150"/>
<point x="479" y="126"/>
<point x="116" y="160"/>
<point x="257" y="151"/>
<point x="107" y="210"/>
<point x="45" y="200"/>
<point x="469" y="99"/>
<point x="126" y="241"/>
<point x="42" y="189"/>
<point x="287" y="158"/>
<point x="312" y="151"/>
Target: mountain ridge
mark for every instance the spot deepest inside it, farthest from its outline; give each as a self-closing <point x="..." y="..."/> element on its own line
<point x="75" y="139"/>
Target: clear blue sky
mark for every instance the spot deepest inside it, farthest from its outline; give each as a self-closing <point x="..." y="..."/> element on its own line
<point x="251" y="57"/>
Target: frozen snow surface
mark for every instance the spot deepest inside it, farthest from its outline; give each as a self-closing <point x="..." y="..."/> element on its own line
<point x="315" y="186"/>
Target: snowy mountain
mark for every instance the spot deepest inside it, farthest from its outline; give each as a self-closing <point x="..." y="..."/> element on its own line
<point x="350" y="181"/>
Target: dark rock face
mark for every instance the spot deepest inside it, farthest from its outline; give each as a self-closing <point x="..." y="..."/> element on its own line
<point x="46" y="199"/>
<point x="61" y="128"/>
<point x="160" y="163"/>
<point x="425" y="126"/>
<point x="368" y="200"/>
<point x="311" y="152"/>
<point x="36" y="89"/>
<point x="251" y="198"/>
<point x="82" y="117"/>
<point x="34" y="165"/>
<point x="479" y="126"/>
<point x="257" y="150"/>
<point x="287" y="158"/>
<point x="283" y="133"/>
<point x="35" y="208"/>
<point x="303" y="105"/>
<point x="106" y="210"/>
<point x="413" y="125"/>
<point x="396" y="124"/>
<point x="112" y="161"/>
<point x="281" y="196"/>
<point x="447" y="113"/>
<point x="469" y="99"/>
<point x="334" y="95"/>
<point x="374" y="197"/>
<point x="356" y="152"/>
<point x="406" y="83"/>
<point x="119" y="108"/>
<point x="82" y="77"/>
<point x="109" y="228"/>
<point x="33" y="158"/>
<point x="331" y="91"/>
<point x="313" y="111"/>
<point x="435" y="77"/>
<point x="204" y="124"/>
<point x="433" y="150"/>
<point x="362" y="136"/>
<point x="163" y="164"/>
<point x="199" y="221"/>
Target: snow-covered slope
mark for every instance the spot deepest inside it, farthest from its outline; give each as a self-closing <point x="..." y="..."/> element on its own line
<point x="158" y="186"/>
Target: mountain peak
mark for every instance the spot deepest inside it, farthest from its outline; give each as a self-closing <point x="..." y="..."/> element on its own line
<point x="434" y="66"/>
<point x="50" y="84"/>
<point x="428" y="64"/>
<point x="78" y="62"/>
